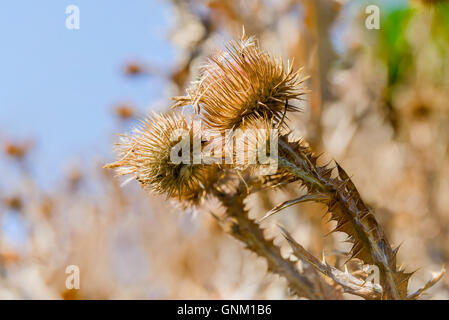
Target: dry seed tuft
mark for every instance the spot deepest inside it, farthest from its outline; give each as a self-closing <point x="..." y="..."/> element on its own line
<point x="241" y="84"/>
<point x="146" y="155"/>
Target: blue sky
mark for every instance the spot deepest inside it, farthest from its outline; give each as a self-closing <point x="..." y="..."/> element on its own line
<point x="58" y="86"/>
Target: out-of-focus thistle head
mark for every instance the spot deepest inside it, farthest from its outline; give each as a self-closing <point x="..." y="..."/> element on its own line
<point x="243" y="83"/>
<point x="147" y="156"/>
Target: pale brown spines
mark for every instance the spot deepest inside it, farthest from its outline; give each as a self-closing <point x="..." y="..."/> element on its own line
<point x="241" y="84"/>
<point x="146" y="155"/>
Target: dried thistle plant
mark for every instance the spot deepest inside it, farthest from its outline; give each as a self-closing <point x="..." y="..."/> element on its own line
<point x="244" y="87"/>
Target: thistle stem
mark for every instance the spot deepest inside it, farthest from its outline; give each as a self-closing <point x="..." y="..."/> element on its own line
<point x="240" y="226"/>
<point x="380" y="252"/>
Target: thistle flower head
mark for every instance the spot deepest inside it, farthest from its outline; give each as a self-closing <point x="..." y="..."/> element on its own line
<point x="147" y="156"/>
<point x="243" y="83"/>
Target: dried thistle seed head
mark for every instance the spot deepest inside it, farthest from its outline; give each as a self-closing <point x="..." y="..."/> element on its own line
<point x="241" y="84"/>
<point x="148" y="156"/>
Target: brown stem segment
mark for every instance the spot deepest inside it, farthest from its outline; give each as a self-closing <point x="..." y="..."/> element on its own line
<point x="238" y="225"/>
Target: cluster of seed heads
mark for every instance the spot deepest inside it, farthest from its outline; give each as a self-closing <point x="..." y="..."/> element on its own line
<point x="241" y="87"/>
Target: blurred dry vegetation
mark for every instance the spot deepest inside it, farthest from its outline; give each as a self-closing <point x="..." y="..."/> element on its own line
<point x="378" y="105"/>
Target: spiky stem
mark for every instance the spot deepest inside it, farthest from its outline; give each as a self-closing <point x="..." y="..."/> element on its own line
<point x="352" y="216"/>
<point x="240" y="226"/>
